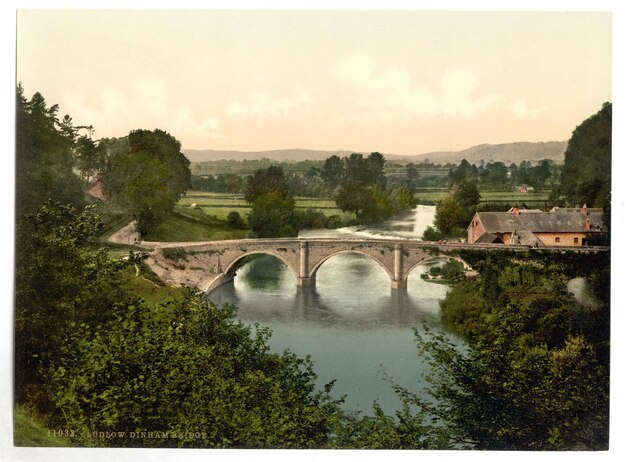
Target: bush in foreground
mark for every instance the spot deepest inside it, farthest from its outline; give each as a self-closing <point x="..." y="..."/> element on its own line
<point x="200" y="378"/>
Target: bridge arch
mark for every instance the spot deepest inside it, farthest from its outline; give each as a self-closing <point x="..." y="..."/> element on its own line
<point x="433" y="258"/>
<point x="231" y="267"/>
<point x="313" y="272"/>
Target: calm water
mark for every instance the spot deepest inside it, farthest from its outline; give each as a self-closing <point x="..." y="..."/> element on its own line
<point x="355" y="327"/>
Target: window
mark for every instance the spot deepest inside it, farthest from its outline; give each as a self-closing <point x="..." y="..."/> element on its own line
<point x="557" y="240"/>
<point x="575" y="240"/>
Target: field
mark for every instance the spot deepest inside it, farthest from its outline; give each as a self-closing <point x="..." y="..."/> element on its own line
<point x="535" y="200"/>
<point x="219" y="205"/>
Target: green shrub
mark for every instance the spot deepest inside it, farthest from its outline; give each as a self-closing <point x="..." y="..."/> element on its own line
<point x="235" y="221"/>
<point x="200" y="371"/>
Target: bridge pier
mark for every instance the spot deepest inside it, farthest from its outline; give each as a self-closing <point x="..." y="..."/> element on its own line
<point x="306" y="281"/>
<point x="399" y="284"/>
<point x="399" y="279"/>
<point x="303" y="279"/>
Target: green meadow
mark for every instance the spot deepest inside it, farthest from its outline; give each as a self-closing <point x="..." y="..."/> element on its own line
<point x="219" y="205"/>
<point x="534" y="199"/>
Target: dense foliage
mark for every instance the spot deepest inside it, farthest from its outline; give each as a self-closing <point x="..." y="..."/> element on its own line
<point x="360" y="187"/>
<point x="586" y="175"/>
<point x="272" y="216"/>
<point x="146" y="173"/>
<point x="265" y="181"/>
<point x="62" y="285"/>
<point x="197" y="377"/>
<point x="45" y="148"/>
<point x="536" y="373"/>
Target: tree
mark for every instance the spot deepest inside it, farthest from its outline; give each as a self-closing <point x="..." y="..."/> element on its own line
<point x="272" y="216"/>
<point x="235" y="221"/>
<point x="89" y="157"/>
<point x="495" y="173"/>
<point x="332" y="172"/>
<point x="412" y="173"/>
<point x="403" y="200"/>
<point x="145" y="191"/>
<point x="376" y="166"/>
<point x="534" y="374"/>
<point x="354" y="197"/>
<point x="448" y="214"/>
<point x="199" y="376"/>
<point x="500" y="396"/>
<point x="586" y="174"/>
<point x="62" y="284"/>
<point x="166" y="149"/>
<point x="264" y="181"/>
<point x="44" y="156"/>
<point x="463" y="173"/>
<point x="467" y="195"/>
<point x="147" y="173"/>
<point x="356" y="169"/>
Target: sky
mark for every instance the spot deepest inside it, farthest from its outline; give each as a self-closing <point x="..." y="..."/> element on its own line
<point x="402" y="82"/>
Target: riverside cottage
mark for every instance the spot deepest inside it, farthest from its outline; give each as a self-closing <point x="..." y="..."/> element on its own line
<point x="557" y="227"/>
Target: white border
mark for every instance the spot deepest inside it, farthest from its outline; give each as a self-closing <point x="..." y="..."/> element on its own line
<point x="7" y="94"/>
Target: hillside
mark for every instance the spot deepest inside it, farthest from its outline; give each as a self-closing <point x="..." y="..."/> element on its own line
<point x="507" y="153"/>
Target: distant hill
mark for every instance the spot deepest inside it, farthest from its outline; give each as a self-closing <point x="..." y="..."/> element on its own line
<point x="196" y="155"/>
<point x="507" y="153"/>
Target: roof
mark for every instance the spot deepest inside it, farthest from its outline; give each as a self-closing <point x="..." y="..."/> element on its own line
<point x="486" y="238"/>
<point x="576" y="209"/>
<point x="526" y="238"/>
<point x="546" y="222"/>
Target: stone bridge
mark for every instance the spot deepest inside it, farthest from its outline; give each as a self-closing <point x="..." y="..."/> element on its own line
<point x="207" y="265"/>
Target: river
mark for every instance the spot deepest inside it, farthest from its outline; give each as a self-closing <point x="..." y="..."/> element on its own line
<point x="356" y="329"/>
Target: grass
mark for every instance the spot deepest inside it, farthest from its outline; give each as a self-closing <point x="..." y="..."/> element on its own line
<point x="148" y="290"/>
<point x="178" y="228"/>
<point x="505" y="197"/>
<point x="30" y="431"/>
<point x="219" y="205"/>
<point x="114" y="217"/>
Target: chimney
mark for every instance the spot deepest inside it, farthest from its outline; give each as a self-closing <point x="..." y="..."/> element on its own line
<point x="587" y="224"/>
<point x="583" y="210"/>
<point x="545" y="206"/>
<point x="516" y="211"/>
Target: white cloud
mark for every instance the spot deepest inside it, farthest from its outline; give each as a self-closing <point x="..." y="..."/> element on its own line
<point x="356" y="68"/>
<point x="264" y="104"/>
<point x="146" y="105"/>
<point x="456" y="94"/>
<point x="521" y="109"/>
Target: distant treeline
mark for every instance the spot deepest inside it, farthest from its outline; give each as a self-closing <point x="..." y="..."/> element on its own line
<point x="305" y="178"/>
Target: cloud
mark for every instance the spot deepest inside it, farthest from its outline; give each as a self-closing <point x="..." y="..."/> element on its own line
<point x="261" y="104"/>
<point x="520" y="109"/>
<point x="456" y="93"/>
<point x="146" y="104"/>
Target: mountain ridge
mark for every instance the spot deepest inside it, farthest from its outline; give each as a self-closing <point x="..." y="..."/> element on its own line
<point x="503" y="152"/>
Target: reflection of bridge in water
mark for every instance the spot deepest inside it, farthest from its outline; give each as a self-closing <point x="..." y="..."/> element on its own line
<point x="207" y="265"/>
